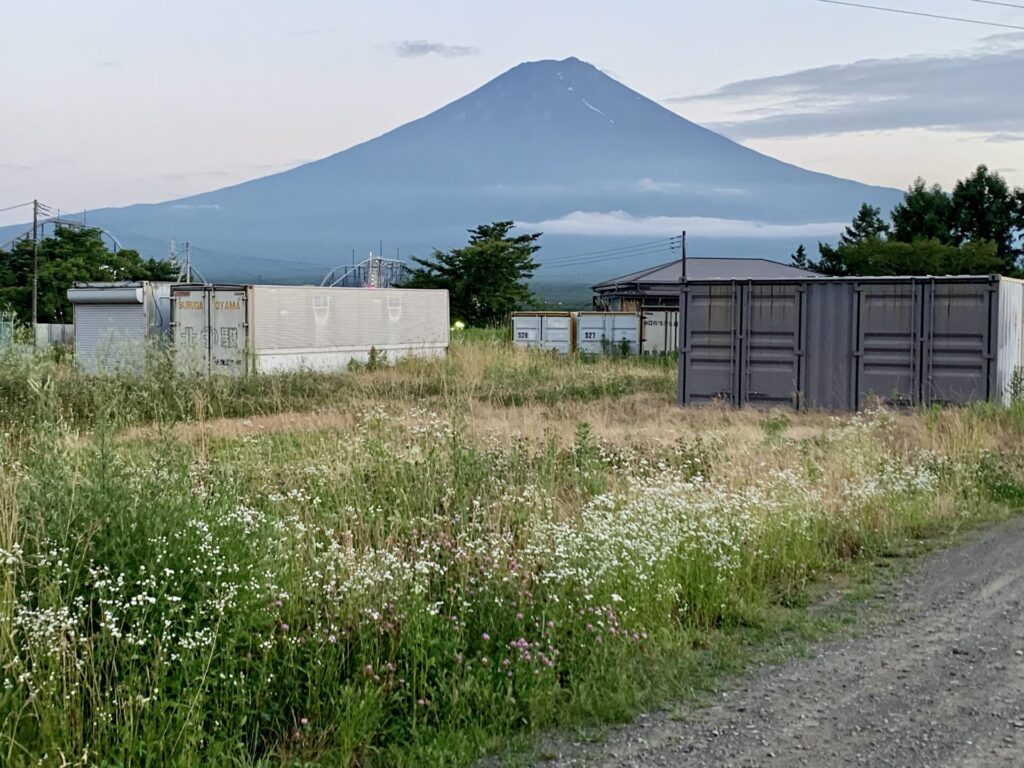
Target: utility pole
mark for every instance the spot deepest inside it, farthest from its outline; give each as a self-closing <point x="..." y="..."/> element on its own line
<point x="682" y="251"/>
<point x="188" y="262"/>
<point x="35" y="264"/>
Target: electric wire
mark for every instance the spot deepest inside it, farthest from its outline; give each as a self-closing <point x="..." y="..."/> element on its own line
<point x="996" y="2"/>
<point x="14" y="207"/>
<point x="625" y="250"/>
<point x="605" y="259"/>
<point x="665" y="242"/>
<point x="922" y="13"/>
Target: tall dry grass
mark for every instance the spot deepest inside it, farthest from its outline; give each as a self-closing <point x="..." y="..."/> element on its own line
<point x="411" y="565"/>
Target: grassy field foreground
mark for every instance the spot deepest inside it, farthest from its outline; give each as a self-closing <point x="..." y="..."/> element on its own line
<point x="411" y="565"/>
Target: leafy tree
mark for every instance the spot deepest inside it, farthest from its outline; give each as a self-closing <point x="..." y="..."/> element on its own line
<point x="831" y="260"/>
<point x="484" y="279"/>
<point x="926" y="212"/>
<point x="920" y="257"/>
<point x="985" y="208"/>
<point x="799" y="259"/>
<point x="868" y="224"/>
<point x="70" y="255"/>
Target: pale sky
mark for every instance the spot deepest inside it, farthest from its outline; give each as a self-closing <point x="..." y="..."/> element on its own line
<point x="114" y="102"/>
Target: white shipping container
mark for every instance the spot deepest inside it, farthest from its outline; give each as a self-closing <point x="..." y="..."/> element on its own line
<point x="1010" y="354"/>
<point x="660" y="332"/>
<point x="552" y="331"/>
<point x="310" y="327"/>
<point x="608" y="332"/>
<point x="209" y="328"/>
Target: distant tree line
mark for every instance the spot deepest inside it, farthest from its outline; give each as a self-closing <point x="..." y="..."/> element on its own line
<point x="68" y="256"/>
<point x="976" y="229"/>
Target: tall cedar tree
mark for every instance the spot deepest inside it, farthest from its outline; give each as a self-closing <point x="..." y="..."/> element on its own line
<point x="799" y="259"/>
<point x="926" y="212"/>
<point x="68" y="256"/>
<point x="985" y="208"/>
<point x="486" y="278"/>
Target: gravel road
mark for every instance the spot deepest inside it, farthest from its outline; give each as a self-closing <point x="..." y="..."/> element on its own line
<point x="940" y="685"/>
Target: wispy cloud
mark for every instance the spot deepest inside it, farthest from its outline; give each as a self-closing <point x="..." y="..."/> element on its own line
<point x="648" y="184"/>
<point x="14" y="167"/>
<point x="110" y="64"/>
<point x="410" y="49"/>
<point x="611" y="223"/>
<point x="972" y="91"/>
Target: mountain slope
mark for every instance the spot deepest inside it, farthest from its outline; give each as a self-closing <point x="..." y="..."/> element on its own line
<point x="537" y="143"/>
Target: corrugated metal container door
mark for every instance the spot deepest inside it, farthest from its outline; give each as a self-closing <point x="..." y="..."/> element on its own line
<point x="710" y="317"/>
<point x="772" y="352"/>
<point x="188" y="308"/>
<point x="829" y="378"/>
<point x="1010" y="339"/>
<point x="526" y="331"/>
<point x="958" y="361"/>
<point x="552" y="331"/>
<point x="110" y="337"/>
<point x="660" y="332"/>
<point x="608" y="332"/>
<point x="557" y="333"/>
<point x="889" y="335"/>
<point x="227" y="330"/>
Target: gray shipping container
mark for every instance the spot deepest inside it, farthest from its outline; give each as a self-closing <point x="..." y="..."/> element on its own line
<point x="608" y="332"/>
<point x="554" y="331"/>
<point x="834" y="344"/>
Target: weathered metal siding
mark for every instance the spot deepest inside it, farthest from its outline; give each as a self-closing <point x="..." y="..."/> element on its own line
<point x="1010" y="338"/>
<point x="608" y="332"/>
<point x="552" y="331"/>
<point x="838" y="344"/>
<point x="311" y="327"/>
<point x="709" y="323"/>
<point x="771" y="349"/>
<point x="828" y="381"/>
<point x="54" y="334"/>
<point x="888" y="352"/>
<point x="659" y="332"/>
<point x="959" y="342"/>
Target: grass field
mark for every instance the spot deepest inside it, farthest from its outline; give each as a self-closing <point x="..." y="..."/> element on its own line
<point x="414" y="565"/>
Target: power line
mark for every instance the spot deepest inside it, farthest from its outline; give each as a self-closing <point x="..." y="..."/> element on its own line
<point x="922" y="13"/>
<point x="664" y="244"/>
<point x="19" y="205"/>
<point x="556" y="264"/>
<point x="996" y="2"/>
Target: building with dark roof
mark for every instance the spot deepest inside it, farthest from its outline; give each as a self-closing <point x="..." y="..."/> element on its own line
<point x="658" y="287"/>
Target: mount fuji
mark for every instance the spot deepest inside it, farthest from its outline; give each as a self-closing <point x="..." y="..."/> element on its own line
<point x="556" y="145"/>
